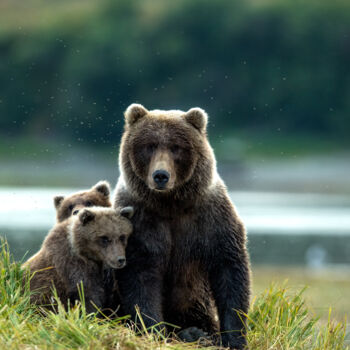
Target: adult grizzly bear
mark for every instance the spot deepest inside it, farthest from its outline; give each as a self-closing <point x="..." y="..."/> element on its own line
<point x="187" y="256"/>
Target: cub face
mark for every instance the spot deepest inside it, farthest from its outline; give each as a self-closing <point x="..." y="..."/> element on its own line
<point x="97" y="195"/>
<point x="101" y="235"/>
<point x="163" y="147"/>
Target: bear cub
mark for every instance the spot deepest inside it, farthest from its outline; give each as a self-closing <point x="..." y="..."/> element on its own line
<point x="78" y="250"/>
<point x="97" y="195"/>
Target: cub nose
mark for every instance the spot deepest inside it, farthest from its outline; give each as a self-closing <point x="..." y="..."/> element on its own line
<point x="121" y="261"/>
<point x="161" y="177"/>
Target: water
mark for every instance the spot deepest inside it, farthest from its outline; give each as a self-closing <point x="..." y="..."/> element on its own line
<point x="312" y="229"/>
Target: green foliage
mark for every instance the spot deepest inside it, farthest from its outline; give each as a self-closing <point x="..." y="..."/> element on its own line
<point x="277" y="320"/>
<point x="13" y="292"/>
<point x="281" y="320"/>
<point x="279" y="67"/>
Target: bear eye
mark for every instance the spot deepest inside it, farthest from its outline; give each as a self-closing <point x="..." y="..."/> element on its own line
<point x="175" y="149"/>
<point x="88" y="204"/>
<point x="104" y="240"/>
<point x="70" y="207"/>
<point x="151" y="147"/>
<point x="75" y="212"/>
<point x="122" y="238"/>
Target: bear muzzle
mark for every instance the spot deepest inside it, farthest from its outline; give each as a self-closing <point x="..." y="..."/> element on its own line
<point x="118" y="263"/>
<point x="161" y="173"/>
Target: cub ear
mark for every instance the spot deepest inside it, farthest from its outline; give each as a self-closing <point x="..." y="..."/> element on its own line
<point x="57" y="201"/>
<point x="86" y="216"/>
<point x="134" y="112"/>
<point x="198" y="118"/>
<point x="127" y="212"/>
<point x="103" y="187"/>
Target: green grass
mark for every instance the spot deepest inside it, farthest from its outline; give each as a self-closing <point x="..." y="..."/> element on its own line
<point x="326" y="288"/>
<point x="278" y="319"/>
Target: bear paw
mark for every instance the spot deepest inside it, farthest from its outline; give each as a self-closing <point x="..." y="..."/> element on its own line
<point x="192" y="334"/>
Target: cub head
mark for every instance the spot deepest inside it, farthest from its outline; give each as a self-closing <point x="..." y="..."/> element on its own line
<point x="97" y="195"/>
<point x="101" y="234"/>
<point x="166" y="149"/>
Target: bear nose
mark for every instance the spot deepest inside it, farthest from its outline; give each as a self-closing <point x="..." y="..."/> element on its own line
<point x="121" y="261"/>
<point x="161" y="177"/>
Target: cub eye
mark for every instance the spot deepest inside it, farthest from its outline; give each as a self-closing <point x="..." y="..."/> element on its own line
<point x="122" y="238"/>
<point x="104" y="240"/>
<point x="75" y="212"/>
<point x="88" y="204"/>
<point x="70" y="208"/>
<point x="175" y="149"/>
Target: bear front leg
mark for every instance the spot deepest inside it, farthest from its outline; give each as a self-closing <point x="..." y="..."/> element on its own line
<point x="88" y="277"/>
<point x="230" y="283"/>
<point x="93" y="295"/>
<point x="142" y="287"/>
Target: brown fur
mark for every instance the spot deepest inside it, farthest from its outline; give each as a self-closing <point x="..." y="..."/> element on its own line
<point x="188" y="257"/>
<point x="97" y="195"/>
<point x="78" y="250"/>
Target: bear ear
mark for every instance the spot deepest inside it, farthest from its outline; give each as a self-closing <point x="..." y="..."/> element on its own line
<point x="57" y="201"/>
<point x="198" y="118"/>
<point x="86" y="216"/>
<point x="134" y="112"/>
<point x="103" y="187"/>
<point x="127" y="212"/>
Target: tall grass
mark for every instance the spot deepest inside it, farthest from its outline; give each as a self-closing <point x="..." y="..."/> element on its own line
<point x="277" y="320"/>
<point x="281" y="320"/>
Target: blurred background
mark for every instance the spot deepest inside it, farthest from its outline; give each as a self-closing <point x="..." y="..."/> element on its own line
<point x="274" y="77"/>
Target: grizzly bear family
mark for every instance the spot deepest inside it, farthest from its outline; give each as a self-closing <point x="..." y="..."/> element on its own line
<point x="187" y="259"/>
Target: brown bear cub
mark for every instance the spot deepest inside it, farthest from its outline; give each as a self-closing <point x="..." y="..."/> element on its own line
<point x="188" y="263"/>
<point x="78" y="250"/>
<point x="97" y="195"/>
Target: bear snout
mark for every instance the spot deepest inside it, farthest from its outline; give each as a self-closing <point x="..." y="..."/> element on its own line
<point x="161" y="178"/>
<point x="161" y="172"/>
<point x="121" y="262"/>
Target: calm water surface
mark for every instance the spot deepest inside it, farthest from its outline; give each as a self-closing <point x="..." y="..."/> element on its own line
<point x="318" y="225"/>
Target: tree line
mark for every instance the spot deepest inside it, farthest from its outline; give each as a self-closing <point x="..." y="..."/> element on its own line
<point x="255" y="66"/>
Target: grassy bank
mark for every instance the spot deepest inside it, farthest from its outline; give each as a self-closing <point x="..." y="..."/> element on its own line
<point x="278" y="319"/>
<point x="326" y="288"/>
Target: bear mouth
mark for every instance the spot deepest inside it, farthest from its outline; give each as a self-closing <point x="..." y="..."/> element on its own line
<point x="160" y="188"/>
<point x="117" y="266"/>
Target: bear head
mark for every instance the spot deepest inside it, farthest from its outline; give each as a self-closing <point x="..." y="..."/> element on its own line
<point x="101" y="234"/>
<point x="97" y="195"/>
<point x="166" y="152"/>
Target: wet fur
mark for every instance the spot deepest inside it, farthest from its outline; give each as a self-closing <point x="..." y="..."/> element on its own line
<point x="188" y="254"/>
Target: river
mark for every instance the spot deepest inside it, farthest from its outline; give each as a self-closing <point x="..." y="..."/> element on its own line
<point x="287" y="228"/>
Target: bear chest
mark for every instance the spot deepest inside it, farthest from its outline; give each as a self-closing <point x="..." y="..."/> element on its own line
<point x="189" y="240"/>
